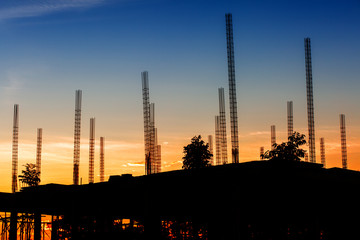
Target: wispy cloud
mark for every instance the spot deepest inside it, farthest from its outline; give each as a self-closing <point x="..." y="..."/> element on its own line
<point x="11" y="9"/>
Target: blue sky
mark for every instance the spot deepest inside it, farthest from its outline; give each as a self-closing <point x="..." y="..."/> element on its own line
<point x="51" y="48"/>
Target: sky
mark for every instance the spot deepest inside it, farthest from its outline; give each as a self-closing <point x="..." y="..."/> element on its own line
<point x="51" y="48"/>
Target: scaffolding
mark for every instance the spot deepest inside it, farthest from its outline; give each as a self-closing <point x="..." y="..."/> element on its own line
<point x="211" y="149"/>
<point x="290" y="118"/>
<point x="77" y="129"/>
<point x="25" y="226"/>
<point x="223" y="137"/>
<point x="15" y="148"/>
<point x="310" y="101"/>
<point x="273" y="136"/>
<point x="322" y="151"/>
<point x="232" y="89"/>
<point x="102" y="160"/>
<point x="217" y="140"/>
<point x="343" y="141"/>
<point x="91" y="150"/>
<point x="38" y="151"/>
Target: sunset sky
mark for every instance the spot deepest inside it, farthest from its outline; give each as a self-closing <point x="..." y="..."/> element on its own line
<point x="50" y="48"/>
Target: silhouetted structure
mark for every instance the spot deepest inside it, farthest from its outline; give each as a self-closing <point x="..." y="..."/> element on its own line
<point x="157" y="154"/>
<point x="232" y="89"/>
<point x="290" y="118"/>
<point x="306" y="157"/>
<point x="273" y="136"/>
<point x="211" y="148"/>
<point x="343" y="141"/>
<point x="218" y="140"/>
<point x="310" y="101"/>
<point x="15" y="149"/>
<point x="152" y="149"/>
<point x="157" y="206"/>
<point x="261" y="153"/>
<point x="38" y="151"/>
<point x="77" y="134"/>
<point x="322" y="151"/>
<point x="102" y="160"/>
<point x="91" y="150"/>
<point x="223" y="137"/>
<point x="146" y="112"/>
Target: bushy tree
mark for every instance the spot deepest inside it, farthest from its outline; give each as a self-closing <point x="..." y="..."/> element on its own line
<point x="196" y="154"/>
<point x="289" y="150"/>
<point x="30" y="176"/>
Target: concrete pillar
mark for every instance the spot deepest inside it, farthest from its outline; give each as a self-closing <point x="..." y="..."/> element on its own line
<point x="13" y="226"/>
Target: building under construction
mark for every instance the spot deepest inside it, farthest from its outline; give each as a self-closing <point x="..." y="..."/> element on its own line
<point x="273" y="204"/>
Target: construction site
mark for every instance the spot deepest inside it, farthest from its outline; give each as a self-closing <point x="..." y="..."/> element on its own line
<point x="230" y="200"/>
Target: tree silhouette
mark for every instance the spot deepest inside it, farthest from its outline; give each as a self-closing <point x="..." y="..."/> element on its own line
<point x="197" y="154"/>
<point x="30" y="176"/>
<point x="289" y="150"/>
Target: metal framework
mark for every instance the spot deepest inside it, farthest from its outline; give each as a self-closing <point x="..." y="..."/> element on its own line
<point x="273" y="136"/>
<point x="152" y="149"/>
<point x="77" y="129"/>
<point x="261" y="153"/>
<point x="91" y="150"/>
<point x="153" y="153"/>
<point x="232" y="89"/>
<point x="157" y="162"/>
<point x="102" y="160"/>
<point x="343" y="141"/>
<point x="15" y="148"/>
<point x="158" y="156"/>
<point x="290" y="118"/>
<point x="322" y="151"/>
<point x="310" y="101"/>
<point x="223" y="138"/>
<point x="211" y="149"/>
<point x="146" y="112"/>
<point x="38" y="151"/>
<point x="217" y="140"/>
<point x="306" y="156"/>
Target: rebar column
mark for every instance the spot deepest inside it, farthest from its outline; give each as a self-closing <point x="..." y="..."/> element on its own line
<point x="15" y="148"/>
<point x="38" y="151"/>
<point x="217" y="140"/>
<point x="102" y="160"/>
<point x="77" y="129"/>
<point x="232" y="89"/>
<point x="158" y="160"/>
<point x="152" y="139"/>
<point x="310" y="101"/>
<point x="146" y="112"/>
<point x="322" y="151"/>
<point x="211" y="150"/>
<point x="261" y="153"/>
<point x="343" y="141"/>
<point x="91" y="150"/>
<point x="273" y="136"/>
<point x="290" y="118"/>
<point x="223" y="137"/>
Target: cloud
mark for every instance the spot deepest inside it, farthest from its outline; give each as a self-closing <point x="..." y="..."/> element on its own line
<point x="30" y="8"/>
